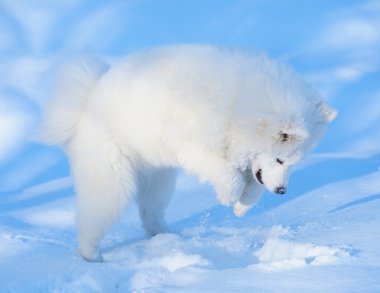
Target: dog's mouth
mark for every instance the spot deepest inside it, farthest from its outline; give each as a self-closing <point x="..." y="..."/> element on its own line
<point x="259" y="176"/>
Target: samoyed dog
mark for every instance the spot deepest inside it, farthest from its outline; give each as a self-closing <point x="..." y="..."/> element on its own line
<point x="233" y="118"/>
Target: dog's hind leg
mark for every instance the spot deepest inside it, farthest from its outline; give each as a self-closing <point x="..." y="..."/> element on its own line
<point x="105" y="181"/>
<point x="155" y="190"/>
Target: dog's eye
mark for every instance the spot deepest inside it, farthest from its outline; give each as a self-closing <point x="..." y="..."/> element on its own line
<point x="279" y="161"/>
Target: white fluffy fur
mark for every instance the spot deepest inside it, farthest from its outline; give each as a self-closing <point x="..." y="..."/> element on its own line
<point x="218" y="113"/>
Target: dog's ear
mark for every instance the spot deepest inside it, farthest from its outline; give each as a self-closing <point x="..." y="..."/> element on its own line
<point x="284" y="137"/>
<point x="327" y="113"/>
<point x="282" y="131"/>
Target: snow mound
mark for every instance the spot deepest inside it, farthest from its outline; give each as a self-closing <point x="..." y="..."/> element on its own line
<point x="282" y="254"/>
<point x="167" y="251"/>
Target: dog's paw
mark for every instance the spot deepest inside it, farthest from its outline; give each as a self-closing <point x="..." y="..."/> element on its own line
<point x="240" y="210"/>
<point x="156" y="228"/>
<point x="90" y="254"/>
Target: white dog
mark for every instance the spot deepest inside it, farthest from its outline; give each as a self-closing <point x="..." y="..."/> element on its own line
<point x="235" y="119"/>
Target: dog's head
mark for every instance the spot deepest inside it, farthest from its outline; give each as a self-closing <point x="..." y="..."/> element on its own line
<point x="281" y="142"/>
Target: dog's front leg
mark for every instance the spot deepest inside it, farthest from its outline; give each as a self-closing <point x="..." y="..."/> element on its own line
<point x="251" y="194"/>
<point x="227" y="181"/>
<point x="229" y="186"/>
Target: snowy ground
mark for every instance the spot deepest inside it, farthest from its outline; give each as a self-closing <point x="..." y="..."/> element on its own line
<point x="323" y="236"/>
<point x="323" y="241"/>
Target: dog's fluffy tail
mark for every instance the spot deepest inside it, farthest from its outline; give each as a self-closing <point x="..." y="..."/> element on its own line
<point x="74" y="85"/>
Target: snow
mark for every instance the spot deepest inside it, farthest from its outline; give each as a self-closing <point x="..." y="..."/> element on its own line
<point x="322" y="236"/>
<point x="323" y="240"/>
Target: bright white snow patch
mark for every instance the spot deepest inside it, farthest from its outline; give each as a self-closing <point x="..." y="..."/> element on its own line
<point x="167" y="251"/>
<point x="278" y="253"/>
<point x="177" y="261"/>
<point x="281" y="254"/>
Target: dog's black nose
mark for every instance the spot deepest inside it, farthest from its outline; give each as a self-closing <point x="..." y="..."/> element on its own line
<point x="280" y="190"/>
